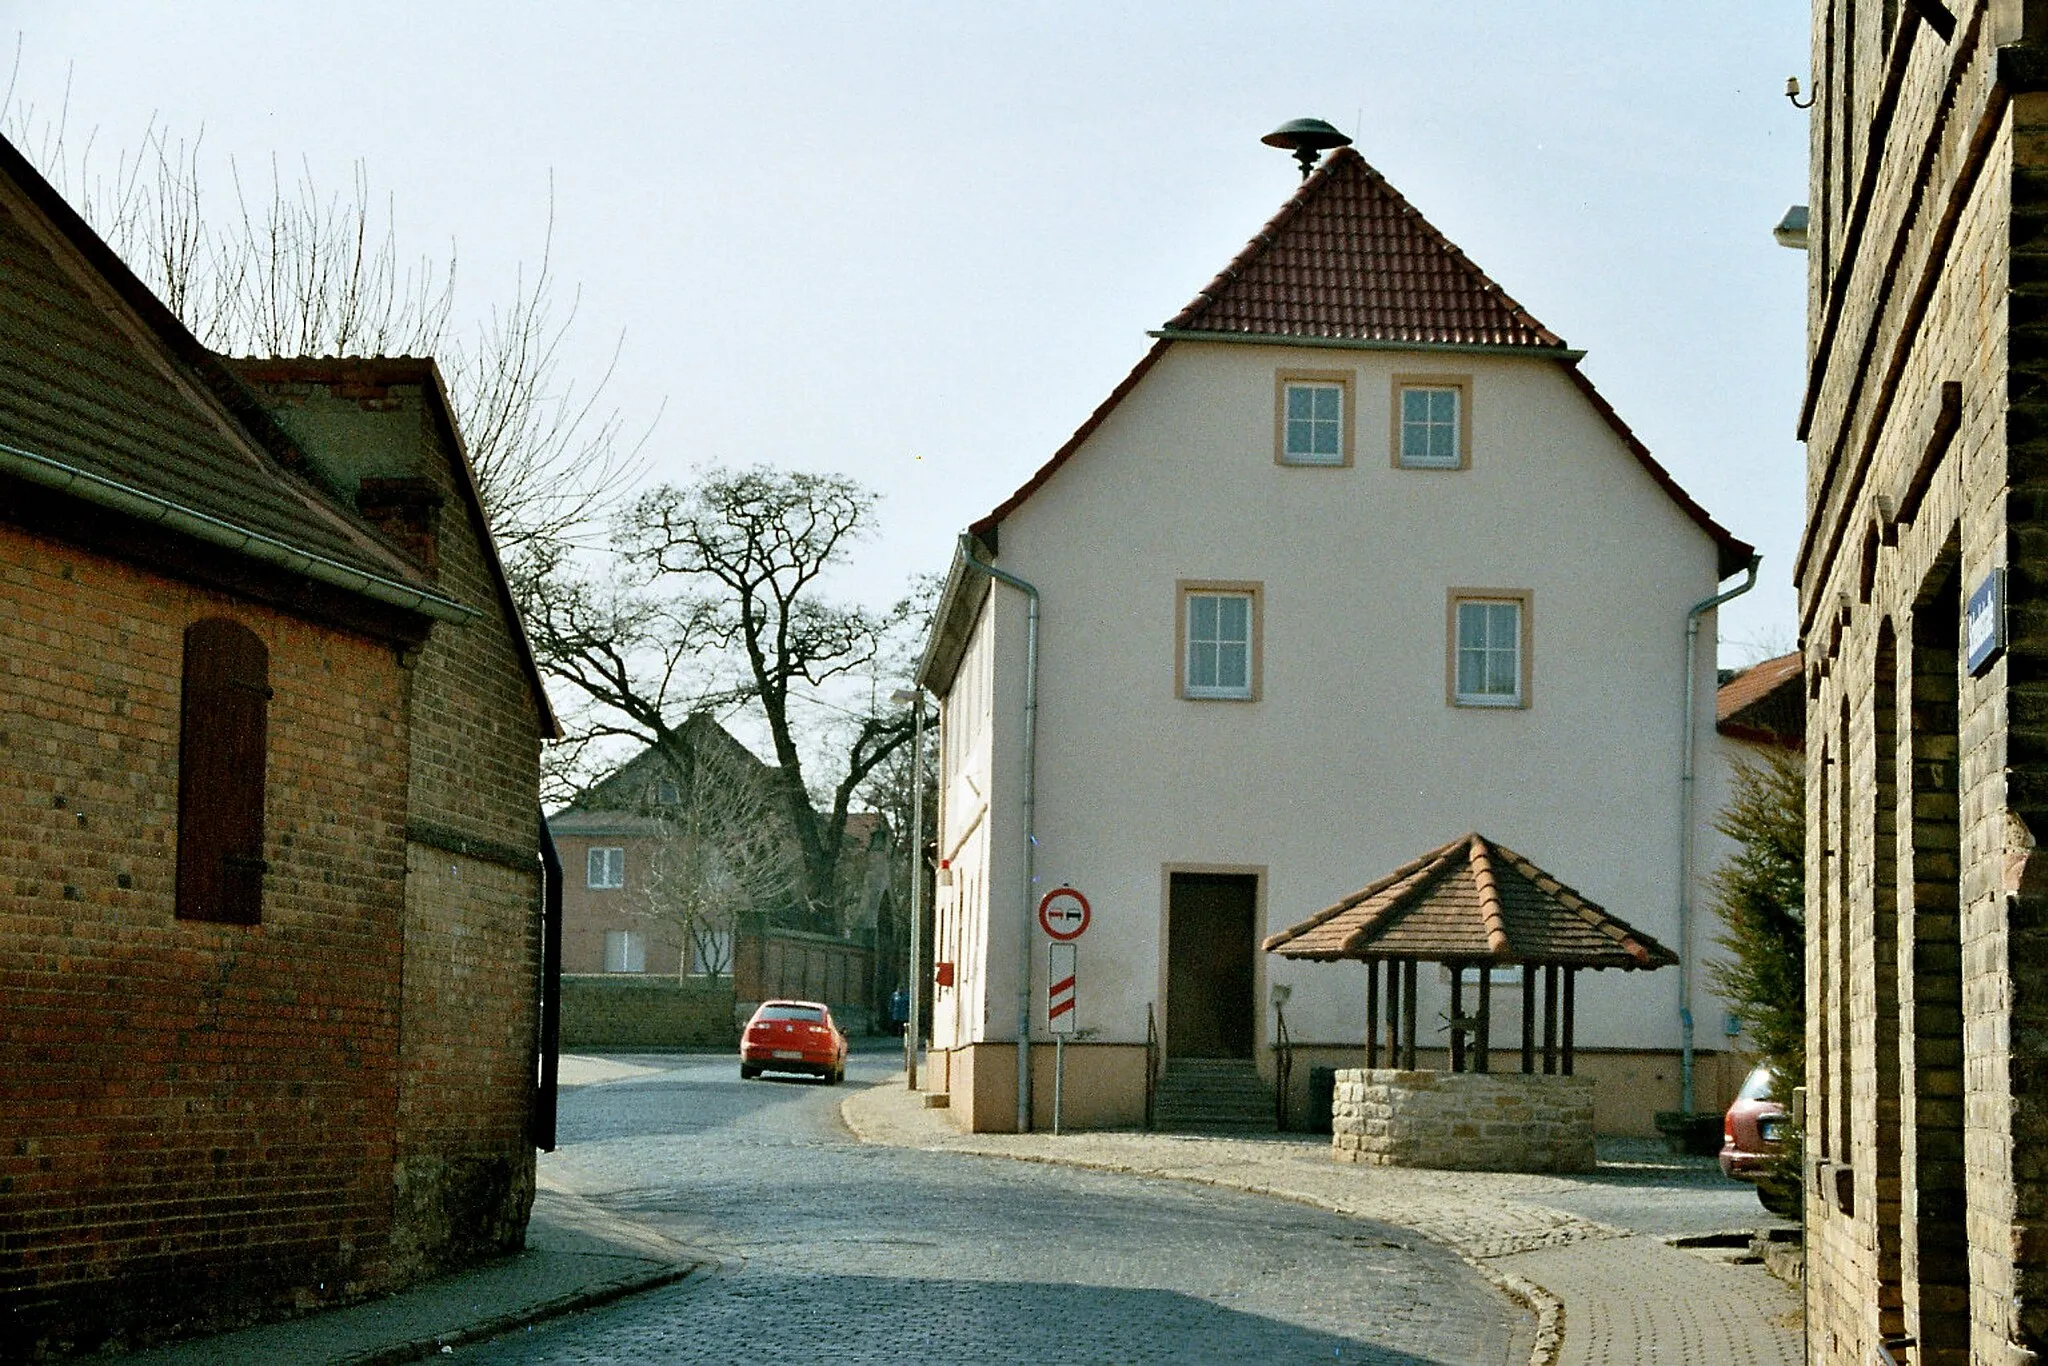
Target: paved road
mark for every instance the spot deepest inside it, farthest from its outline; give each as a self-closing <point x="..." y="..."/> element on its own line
<point x="849" y="1253"/>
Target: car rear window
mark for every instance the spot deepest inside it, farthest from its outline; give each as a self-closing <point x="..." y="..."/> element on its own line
<point x="782" y="1012"/>
<point x="1759" y="1085"/>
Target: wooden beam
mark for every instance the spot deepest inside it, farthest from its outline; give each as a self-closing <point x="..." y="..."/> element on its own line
<point x="1372" y="1013"/>
<point x="1393" y="1012"/>
<point x="1570" y="1003"/>
<point x="1457" y="1014"/>
<point x="1481" y="1063"/>
<point x="1528" y="1018"/>
<point x="1550" y="1019"/>
<point x="1408" y="1016"/>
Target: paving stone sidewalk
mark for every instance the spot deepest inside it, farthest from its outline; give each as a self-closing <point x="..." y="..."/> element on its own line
<point x="1605" y="1291"/>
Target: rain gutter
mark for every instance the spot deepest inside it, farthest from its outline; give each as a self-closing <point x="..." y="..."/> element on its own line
<point x="1365" y="343"/>
<point x="108" y="493"/>
<point x="1029" y="909"/>
<point x="1686" y="853"/>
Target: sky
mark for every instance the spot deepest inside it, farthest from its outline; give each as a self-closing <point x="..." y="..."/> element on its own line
<point x="918" y="243"/>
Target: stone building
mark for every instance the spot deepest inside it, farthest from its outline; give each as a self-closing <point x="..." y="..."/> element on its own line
<point x="270" y="894"/>
<point x="1921" y="592"/>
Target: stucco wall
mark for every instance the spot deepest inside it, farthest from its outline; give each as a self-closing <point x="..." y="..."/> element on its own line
<point x="1350" y="762"/>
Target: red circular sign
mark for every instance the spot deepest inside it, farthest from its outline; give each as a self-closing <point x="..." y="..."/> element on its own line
<point x="1064" y="913"/>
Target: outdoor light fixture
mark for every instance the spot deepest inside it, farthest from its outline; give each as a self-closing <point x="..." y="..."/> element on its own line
<point x="1308" y="139"/>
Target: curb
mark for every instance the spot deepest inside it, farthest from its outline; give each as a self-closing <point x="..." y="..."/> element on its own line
<point x="590" y="1297"/>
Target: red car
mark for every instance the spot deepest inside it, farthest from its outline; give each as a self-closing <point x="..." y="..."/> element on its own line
<point x="1752" y="1135"/>
<point x="793" y="1036"/>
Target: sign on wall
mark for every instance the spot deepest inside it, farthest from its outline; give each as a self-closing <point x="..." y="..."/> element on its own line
<point x="1984" y="622"/>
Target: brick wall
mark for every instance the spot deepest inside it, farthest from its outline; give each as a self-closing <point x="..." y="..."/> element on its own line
<point x="621" y="1010"/>
<point x="1927" y="450"/>
<point x="464" y="1177"/>
<point x="194" y="1118"/>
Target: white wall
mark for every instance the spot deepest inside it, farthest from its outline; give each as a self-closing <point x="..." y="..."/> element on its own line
<point x="1351" y="762"/>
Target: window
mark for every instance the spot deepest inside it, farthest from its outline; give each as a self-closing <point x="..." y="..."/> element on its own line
<point x="666" y="793"/>
<point x="223" y="739"/>
<point x="606" y="869"/>
<point x="1219" y="641"/>
<point x="625" y="950"/>
<point x="1313" y="425"/>
<point x="1431" y="431"/>
<point x="1489" y="648"/>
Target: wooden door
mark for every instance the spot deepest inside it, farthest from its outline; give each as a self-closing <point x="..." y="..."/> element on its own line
<point x="1211" y="930"/>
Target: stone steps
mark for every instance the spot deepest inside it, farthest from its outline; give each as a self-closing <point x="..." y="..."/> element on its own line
<point x="1213" y="1095"/>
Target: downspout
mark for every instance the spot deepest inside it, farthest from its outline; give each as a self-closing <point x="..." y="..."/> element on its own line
<point x="1685" y="831"/>
<point x="1024" y="938"/>
<point x="550" y="1047"/>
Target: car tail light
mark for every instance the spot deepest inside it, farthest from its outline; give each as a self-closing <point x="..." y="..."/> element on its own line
<point x="1728" y="1127"/>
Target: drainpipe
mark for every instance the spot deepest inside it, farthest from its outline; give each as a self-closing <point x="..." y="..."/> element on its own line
<point x="1024" y="937"/>
<point x="1685" y="831"/>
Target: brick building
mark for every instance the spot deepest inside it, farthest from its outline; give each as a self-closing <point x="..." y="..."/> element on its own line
<point x="626" y="845"/>
<point x="270" y="899"/>
<point x="1925" y="644"/>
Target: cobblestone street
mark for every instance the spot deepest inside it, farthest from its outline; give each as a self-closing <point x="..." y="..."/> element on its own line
<point x="847" y="1252"/>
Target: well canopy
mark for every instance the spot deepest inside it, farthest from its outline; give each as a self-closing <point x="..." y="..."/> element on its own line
<point x="1471" y="901"/>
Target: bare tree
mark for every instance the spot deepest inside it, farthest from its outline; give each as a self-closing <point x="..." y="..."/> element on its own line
<point x="750" y="547"/>
<point x="289" y="269"/>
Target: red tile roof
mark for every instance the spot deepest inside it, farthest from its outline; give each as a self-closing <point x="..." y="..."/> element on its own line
<point x="1471" y="901"/>
<point x="1348" y="258"/>
<point x="1765" y="703"/>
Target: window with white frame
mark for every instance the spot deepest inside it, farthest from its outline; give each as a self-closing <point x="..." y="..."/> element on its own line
<point x="1312" y="423"/>
<point x="1219" y="643"/>
<point x="1431" y="420"/>
<point x="1488" y="651"/>
<point x="605" y="869"/>
<point x="625" y="951"/>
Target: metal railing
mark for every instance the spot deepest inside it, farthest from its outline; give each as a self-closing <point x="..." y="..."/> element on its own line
<point x="1151" y="1062"/>
<point x="1283" y="1067"/>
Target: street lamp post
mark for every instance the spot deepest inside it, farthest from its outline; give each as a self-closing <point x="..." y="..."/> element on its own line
<point x="913" y="978"/>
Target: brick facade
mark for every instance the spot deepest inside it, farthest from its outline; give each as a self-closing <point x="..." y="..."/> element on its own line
<point x="196" y="1119"/>
<point x="1923" y="421"/>
<point x="270" y="899"/>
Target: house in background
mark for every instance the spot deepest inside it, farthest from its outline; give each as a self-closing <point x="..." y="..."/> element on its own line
<point x="270" y="940"/>
<point x="632" y="906"/>
<point x="1353" y="561"/>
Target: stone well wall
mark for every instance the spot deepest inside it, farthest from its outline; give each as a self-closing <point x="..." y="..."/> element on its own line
<point x="1463" y="1121"/>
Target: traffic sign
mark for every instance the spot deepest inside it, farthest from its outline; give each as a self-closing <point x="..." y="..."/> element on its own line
<point x="1064" y="913"/>
<point x="1059" y="987"/>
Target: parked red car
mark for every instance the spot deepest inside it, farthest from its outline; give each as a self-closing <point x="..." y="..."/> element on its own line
<point x="1752" y="1136"/>
<point x="793" y="1036"/>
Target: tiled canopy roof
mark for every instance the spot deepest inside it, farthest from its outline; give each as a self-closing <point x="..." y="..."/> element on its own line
<point x="1471" y="901"/>
<point x="1348" y="258"/>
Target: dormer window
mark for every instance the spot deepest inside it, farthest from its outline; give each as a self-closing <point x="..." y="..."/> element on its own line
<point x="1313" y="418"/>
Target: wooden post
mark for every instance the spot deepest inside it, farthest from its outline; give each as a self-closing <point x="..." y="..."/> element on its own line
<point x="1528" y="1018"/>
<point x="1393" y="1020"/>
<point x="1570" y="1001"/>
<point x="1408" y="1015"/>
<point x="1481" y="1063"/>
<point x="1550" y="1020"/>
<point x="1372" y="1013"/>
<point x="1457" y="1012"/>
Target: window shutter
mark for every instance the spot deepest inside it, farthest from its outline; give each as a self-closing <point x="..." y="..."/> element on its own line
<point x="222" y="748"/>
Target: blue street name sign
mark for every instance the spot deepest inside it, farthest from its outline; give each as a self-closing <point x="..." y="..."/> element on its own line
<point x="1984" y="622"/>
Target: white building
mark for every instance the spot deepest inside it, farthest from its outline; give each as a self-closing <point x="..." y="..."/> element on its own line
<point x="1353" y="561"/>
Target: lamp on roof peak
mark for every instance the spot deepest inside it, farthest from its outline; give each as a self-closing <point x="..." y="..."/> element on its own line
<point x="1308" y="139"/>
